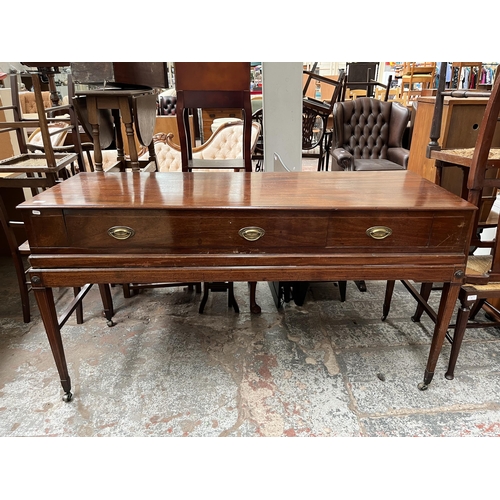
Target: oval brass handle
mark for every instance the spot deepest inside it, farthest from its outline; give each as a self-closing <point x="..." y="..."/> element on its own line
<point x="251" y="233"/>
<point x="121" y="232"/>
<point x="379" y="232"/>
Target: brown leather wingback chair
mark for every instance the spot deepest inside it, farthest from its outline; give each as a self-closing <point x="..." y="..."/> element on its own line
<point x="368" y="135"/>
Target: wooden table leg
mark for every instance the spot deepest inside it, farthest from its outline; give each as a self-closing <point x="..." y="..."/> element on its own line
<point x="94" y="122"/>
<point x="128" y="119"/>
<point x="120" y="151"/>
<point x="446" y="308"/>
<point x="45" y="301"/>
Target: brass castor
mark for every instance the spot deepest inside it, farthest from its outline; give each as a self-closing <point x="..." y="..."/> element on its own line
<point x="423" y="386"/>
<point x="68" y="396"/>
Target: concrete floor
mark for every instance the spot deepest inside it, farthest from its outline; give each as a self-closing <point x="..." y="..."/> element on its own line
<point x="324" y="369"/>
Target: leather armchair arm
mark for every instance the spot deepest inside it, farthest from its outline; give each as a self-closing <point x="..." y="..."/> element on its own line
<point x="344" y="159"/>
<point x="399" y="156"/>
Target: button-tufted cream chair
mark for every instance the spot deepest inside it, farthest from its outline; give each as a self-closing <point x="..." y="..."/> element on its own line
<point x="28" y="104"/>
<point x="224" y="144"/>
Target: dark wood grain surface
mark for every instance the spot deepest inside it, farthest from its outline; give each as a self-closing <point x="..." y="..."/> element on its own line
<point x="401" y="191"/>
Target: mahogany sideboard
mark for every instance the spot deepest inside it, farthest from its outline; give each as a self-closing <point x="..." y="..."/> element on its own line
<point x="226" y="226"/>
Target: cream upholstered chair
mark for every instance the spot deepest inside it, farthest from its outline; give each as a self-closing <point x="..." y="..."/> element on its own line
<point x="28" y="104"/>
<point x="224" y="144"/>
<point x="58" y="132"/>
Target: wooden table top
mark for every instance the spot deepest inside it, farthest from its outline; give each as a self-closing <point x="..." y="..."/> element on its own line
<point x="399" y="190"/>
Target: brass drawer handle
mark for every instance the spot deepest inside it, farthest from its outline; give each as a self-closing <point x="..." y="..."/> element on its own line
<point x="379" y="232"/>
<point x="251" y="233"/>
<point x="121" y="232"/>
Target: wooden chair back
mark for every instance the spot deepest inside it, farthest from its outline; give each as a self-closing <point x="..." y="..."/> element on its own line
<point x="315" y="111"/>
<point x="484" y="159"/>
<point x="223" y="85"/>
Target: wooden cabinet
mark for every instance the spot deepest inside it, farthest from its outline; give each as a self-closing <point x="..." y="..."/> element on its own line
<point x="459" y="129"/>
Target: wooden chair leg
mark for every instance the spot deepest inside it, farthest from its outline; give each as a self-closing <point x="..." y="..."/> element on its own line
<point x="342" y="290"/>
<point x="425" y="292"/>
<point x="204" y="298"/>
<point x="389" y="290"/>
<point x="361" y="285"/>
<point x="254" y="307"/>
<point x="219" y="286"/>
<point x="126" y="290"/>
<point x="79" y="307"/>
<point x="107" y="303"/>
<point x="458" y="334"/>
<point x="194" y="286"/>
<point x="476" y="308"/>
<point x="231" y="299"/>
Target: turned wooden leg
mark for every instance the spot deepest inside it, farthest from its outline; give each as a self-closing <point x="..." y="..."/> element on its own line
<point x="94" y="122"/>
<point x="45" y="301"/>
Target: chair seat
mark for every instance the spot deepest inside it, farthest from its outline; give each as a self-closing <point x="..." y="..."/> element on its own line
<point x="375" y="165"/>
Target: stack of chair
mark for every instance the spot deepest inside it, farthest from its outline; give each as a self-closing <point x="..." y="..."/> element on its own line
<point x="481" y="281"/>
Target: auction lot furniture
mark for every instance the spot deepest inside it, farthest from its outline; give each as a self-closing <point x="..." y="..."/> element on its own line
<point x="125" y="227"/>
<point x="132" y="105"/>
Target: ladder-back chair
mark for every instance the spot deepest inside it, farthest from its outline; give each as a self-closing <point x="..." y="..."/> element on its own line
<point x="482" y="274"/>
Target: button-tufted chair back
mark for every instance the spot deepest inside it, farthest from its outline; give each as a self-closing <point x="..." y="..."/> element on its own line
<point x="225" y="143"/>
<point x="367" y="127"/>
<point x="28" y="104"/>
<point x="370" y="129"/>
<point x="166" y="105"/>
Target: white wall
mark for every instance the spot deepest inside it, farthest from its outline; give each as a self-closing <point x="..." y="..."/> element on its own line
<point x="282" y="103"/>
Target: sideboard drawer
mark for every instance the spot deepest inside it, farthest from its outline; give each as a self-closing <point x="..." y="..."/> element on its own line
<point x="195" y="231"/>
<point x="405" y="232"/>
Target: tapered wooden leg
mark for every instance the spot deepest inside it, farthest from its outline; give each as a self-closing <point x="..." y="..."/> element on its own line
<point x="342" y="290"/>
<point x="425" y="292"/>
<point x="45" y="301"/>
<point x="389" y="290"/>
<point x="476" y="307"/>
<point x="458" y="335"/>
<point x="107" y="303"/>
<point x="254" y="307"/>
<point x="446" y="308"/>
<point x="79" y="307"/>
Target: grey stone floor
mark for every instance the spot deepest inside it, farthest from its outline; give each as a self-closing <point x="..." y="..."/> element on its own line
<point x="328" y="368"/>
